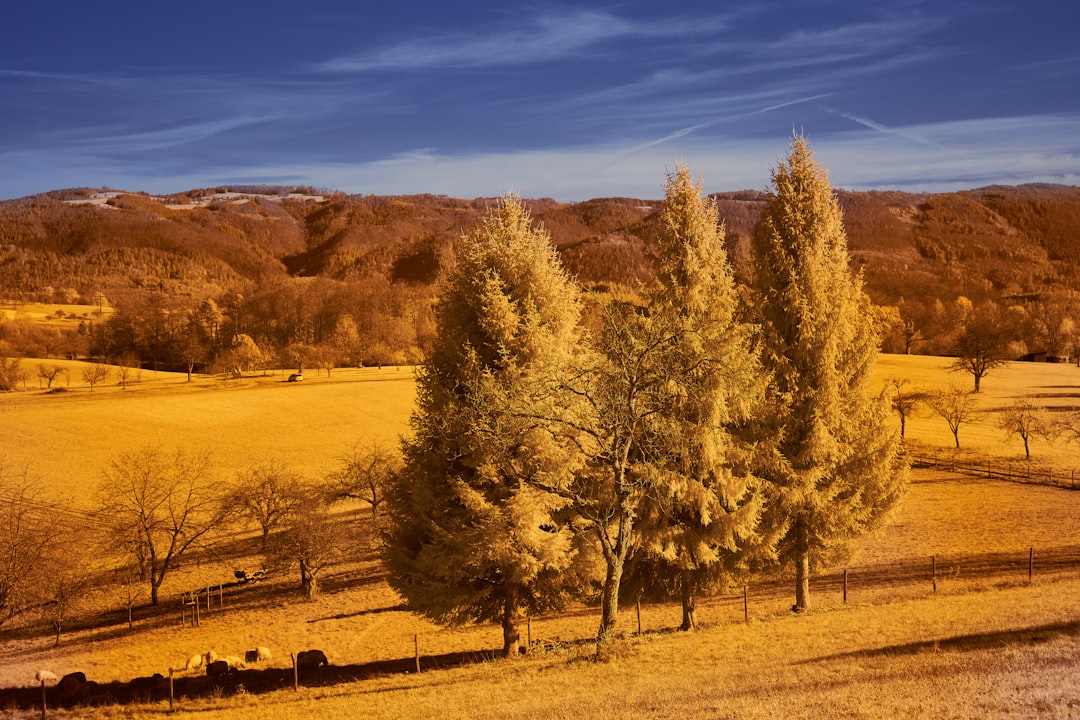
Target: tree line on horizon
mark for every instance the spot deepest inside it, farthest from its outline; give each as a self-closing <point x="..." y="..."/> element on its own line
<point x="291" y="279"/>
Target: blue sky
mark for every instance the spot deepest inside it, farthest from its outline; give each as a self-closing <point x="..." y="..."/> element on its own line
<point x="548" y="100"/>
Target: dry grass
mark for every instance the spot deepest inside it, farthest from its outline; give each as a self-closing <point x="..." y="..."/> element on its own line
<point x="1006" y="652"/>
<point x="1055" y="387"/>
<point x="978" y="648"/>
<point x="68" y="438"/>
<point x="44" y="314"/>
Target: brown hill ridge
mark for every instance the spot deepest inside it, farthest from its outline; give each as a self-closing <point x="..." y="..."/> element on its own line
<point x="990" y="242"/>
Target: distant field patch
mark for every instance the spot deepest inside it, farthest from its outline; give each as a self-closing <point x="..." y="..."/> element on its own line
<point x="1054" y="387"/>
<point x="58" y="315"/>
<point x="68" y="438"/>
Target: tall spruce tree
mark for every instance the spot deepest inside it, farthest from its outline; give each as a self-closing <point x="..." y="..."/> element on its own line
<point x="703" y="517"/>
<point x="473" y="538"/>
<point x="835" y="472"/>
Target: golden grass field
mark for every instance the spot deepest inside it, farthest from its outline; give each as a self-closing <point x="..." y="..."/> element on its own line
<point x="68" y="438"/>
<point x="44" y="314"/>
<point x="977" y="648"/>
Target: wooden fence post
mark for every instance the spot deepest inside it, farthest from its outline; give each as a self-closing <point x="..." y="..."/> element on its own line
<point x="295" y="674"/>
<point x="845" y="586"/>
<point x="171" y="690"/>
<point x="528" y="637"/>
<point x="637" y="604"/>
<point x="43" y="700"/>
<point x="208" y="597"/>
<point x="195" y="614"/>
<point x="416" y="645"/>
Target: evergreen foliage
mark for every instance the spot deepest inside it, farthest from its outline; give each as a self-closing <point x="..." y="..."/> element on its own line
<point x="473" y="537"/>
<point x="835" y="472"/>
<point x="706" y="509"/>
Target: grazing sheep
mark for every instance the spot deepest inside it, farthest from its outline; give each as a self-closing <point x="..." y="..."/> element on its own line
<point x="259" y="654"/>
<point x="234" y="662"/>
<point x="210" y="656"/>
<point x="310" y="659"/>
<point x="218" y="668"/>
<point x="71" y="683"/>
<point x="143" y="688"/>
<point x="46" y="676"/>
<point x="194" y="662"/>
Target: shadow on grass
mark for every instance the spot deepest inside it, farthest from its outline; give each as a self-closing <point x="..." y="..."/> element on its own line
<point x="248" y="681"/>
<point x="400" y="607"/>
<point x="965" y="643"/>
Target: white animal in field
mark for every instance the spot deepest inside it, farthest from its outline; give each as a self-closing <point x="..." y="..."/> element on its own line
<point x="194" y="662"/>
<point x="210" y="656"/>
<point x="258" y="655"/>
<point x="234" y="661"/>
<point x="46" y="676"/>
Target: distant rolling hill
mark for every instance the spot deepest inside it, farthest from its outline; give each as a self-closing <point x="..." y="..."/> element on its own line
<point x="989" y="242"/>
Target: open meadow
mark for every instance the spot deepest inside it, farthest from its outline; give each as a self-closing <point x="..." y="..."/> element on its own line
<point x="67" y="438"/>
<point x="980" y="644"/>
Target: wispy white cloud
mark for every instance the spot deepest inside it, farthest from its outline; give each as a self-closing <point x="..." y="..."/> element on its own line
<point x="901" y="133"/>
<point x="982" y="152"/>
<point x="543" y="38"/>
<point x="867" y="37"/>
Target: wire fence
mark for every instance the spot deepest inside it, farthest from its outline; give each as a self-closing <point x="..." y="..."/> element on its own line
<point x="1020" y="471"/>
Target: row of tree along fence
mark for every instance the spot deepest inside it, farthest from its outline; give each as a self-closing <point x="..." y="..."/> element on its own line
<point x="876" y="582"/>
<point x="1021" y="471"/>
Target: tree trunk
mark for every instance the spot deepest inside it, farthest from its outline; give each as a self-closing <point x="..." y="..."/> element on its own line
<point x="802" y="565"/>
<point x="689" y="602"/>
<point x="511" y="620"/>
<point x="609" y="601"/>
<point x="156" y="578"/>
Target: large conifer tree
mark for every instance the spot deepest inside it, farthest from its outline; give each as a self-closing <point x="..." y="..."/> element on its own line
<point x="473" y="537"/>
<point x="707" y="509"/>
<point x="835" y="472"/>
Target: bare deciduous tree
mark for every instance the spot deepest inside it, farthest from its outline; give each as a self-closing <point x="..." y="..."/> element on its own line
<point x="982" y="343"/>
<point x="26" y="531"/>
<point x="904" y="401"/>
<point x="66" y="577"/>
<point x="365" y="474"/>
<point x="11" y="373"/>
<point x="95" y="373"/>
<point x="954" y="405"/>
<point x="1026" y="421"/>
<point x="159" y="506"/>
<point x="267" y="495"/>
<point x="49" y="373"/>
<point x="312" y="541"/>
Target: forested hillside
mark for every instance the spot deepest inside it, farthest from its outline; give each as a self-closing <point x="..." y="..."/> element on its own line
<point x="351" y="278"/>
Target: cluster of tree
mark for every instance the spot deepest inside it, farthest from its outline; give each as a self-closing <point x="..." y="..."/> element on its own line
<point x="304" y="323"/>
<point x="153" y="508"/>
<point x="989" y="332"/>
<point x="670" y="440"/>
<point x="1023" y="419"/>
